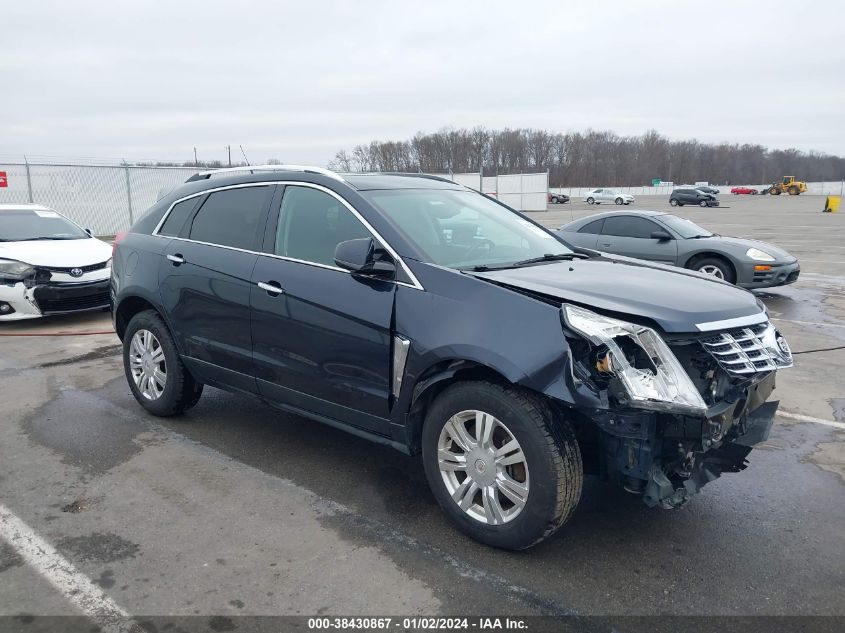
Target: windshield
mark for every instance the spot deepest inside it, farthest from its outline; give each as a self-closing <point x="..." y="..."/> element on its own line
<point x="685" y="228"/>
<point x="28" y="224"/>
<point x="463" y="229"/>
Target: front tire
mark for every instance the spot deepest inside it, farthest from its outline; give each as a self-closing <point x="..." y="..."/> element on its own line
<point x="156" y="375"/>
<point x="703" y="203"/>
<point x="619" y="201"/>
<point x="673" y="202"/>
<point x="503" y="467"/>
<point x="715" y="267"/>
<point x="591" y="200"/>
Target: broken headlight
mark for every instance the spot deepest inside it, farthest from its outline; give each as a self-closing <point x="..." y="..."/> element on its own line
<point x="639" y="358"/>
<point x="14" y="270"/>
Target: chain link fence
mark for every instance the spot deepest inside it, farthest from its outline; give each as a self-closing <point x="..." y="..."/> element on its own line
<point x="103" y="198"/>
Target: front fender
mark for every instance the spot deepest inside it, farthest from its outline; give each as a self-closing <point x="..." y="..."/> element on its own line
<point x="469" y="323"/>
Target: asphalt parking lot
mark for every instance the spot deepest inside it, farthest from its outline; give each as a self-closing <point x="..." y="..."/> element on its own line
<point x="238" y="509"/>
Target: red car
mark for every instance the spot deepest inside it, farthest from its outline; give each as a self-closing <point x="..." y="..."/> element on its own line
<point x="744" y="191"/>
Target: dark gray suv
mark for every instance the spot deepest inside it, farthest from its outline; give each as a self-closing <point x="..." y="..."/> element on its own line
<point x="680" y="197"/>
<point x="419" y="314"/>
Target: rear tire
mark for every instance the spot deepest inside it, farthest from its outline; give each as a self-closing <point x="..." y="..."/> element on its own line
<point x="156" y="375"/>
<point x="619" y="201"/>
<point x="545" y="459"/>
<point x="673" y="202"/>
<point x="794" y="191"/>
<point x="591" y="200"/>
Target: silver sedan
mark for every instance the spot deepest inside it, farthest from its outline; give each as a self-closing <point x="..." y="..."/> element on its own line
<point x="606" y="195"/>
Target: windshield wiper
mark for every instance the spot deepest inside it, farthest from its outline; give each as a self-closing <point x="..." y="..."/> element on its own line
<point x="43" y="237"/>
<point x="481" y="268"/>
<point x="548" y="257"/>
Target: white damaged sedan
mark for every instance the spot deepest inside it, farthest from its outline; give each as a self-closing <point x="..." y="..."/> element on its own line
<point x="49" y="265"/>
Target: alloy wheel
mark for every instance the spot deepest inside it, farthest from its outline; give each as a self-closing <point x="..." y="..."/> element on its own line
<point x="712" y="270"/>
<point x="483" y="467"/>
<point x="147" y="364"/>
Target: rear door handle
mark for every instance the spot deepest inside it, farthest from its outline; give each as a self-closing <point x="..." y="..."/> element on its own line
<point x="271" y="287"/>
<point x="605" y="244"/>
<point x="176" y="259"/>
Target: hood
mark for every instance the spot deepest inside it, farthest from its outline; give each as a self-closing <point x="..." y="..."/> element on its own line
<point x="744" y="244"/>
<point x="676" y="300"/>
<point x="57" y="253"/>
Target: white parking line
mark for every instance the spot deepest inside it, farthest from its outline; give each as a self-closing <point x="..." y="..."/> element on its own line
<point x="60" y="572"/>
<point x="808" y="418"/>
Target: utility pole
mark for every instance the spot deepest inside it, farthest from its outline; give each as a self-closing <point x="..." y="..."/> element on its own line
<point x="196" y="161"/>
<point x="229" y="149"/>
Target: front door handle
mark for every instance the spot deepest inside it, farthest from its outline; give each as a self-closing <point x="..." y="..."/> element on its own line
<point x="176" y="259"/>
<point x="607" y="244"/>
<point x="272" y="287"/>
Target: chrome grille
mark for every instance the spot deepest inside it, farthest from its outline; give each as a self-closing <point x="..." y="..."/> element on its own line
<point x="749" y="350"/>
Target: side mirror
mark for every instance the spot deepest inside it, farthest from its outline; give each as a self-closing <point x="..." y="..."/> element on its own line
<point x="661" y="235"/>
<point x="88" y="231"/>
<point x="361" y="256"/>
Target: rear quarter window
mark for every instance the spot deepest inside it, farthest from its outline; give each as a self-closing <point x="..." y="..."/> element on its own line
<point x="593" y="227"/>
<point x="175" y="220"/>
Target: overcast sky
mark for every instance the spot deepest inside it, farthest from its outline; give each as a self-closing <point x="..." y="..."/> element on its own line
<point x="300" y="80"/>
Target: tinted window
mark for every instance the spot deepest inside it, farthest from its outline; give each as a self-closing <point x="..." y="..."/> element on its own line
<point x="629" y="226"/>
<point x="176" y="219"/>
<point x="311" y="225"/>
<point x="231" y="217"/>
<point x="593" y="227"/>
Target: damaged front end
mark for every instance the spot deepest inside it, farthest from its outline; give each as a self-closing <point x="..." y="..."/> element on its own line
<point x="668" y="414"/>
<point x="28" y="292"/>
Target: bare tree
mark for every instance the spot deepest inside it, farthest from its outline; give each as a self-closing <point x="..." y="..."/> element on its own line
<point x="591" y="158"/>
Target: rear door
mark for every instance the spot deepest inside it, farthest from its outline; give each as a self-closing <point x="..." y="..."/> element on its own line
<point x="205" y="280"/>
<point x="321" y="336"/>
<point x="631" y="236"/>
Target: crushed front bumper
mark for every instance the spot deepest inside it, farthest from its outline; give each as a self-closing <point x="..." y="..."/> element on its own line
<point x="32" y="301"/>
<point x="666" y="458"/>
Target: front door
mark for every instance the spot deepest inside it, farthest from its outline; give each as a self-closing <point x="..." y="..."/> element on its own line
<point x="321" y="336"/>
<point x="631" y="236"/>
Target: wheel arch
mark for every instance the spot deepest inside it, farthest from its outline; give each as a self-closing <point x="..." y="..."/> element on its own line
<point x="433" y="381"/>
<point x="128" y="307"/>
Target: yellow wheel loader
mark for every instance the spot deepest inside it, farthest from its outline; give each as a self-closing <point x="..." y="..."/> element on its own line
<point x="788" y="185"/>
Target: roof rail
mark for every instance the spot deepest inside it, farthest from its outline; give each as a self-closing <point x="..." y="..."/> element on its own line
<point x="254" y="168"/>
<point x="412" y="174"/>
